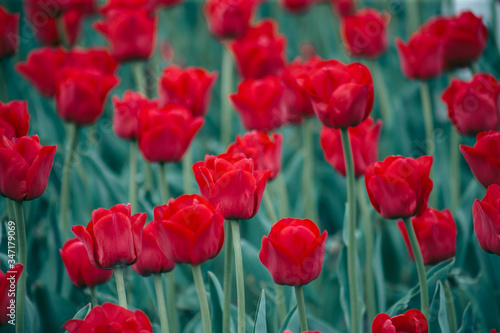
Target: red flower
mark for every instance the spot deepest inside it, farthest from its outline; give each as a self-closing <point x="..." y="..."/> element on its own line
<point x="192" y="231"/>
<point x="190" y="87"/>
<point x="24" y="167"/>
<point x="260" y="52"/>
<point x="262" y="148"/>
<point x="486" y="217"/>
<point x="113" y="237"/>
<point x="152" y="259"/>
<point x="7" y="282"/>
<point x="96" y="58"/>
<point x="484" y="158"/>
<point x="364" y="33"/>
<point x="14" y="119"/>
<point x="110" y="317"/>
<point x="436" y="234"/>
<point x="473" y="106"/>
<point x="231" y="181"/>
<point x="165" y="133"/>
<point x="229" y="18"/>
<point x="343" y="7"/>
<point x="9" y="33"/>
<point x="125" y="115"/>
<point x="79" y="268"/>
<point x="131" y="33"/>
<point x="412" y="321"/>
<point x="294" y="251"/>
<point x="123" y="4"/>
<point x="399" y="187"/>
<point x="364" y="143"/>
<point x="260" y="103"/>
<point x="81" y="93"/>
<point x="296" y="6"/>
<point x="342" y="95"/>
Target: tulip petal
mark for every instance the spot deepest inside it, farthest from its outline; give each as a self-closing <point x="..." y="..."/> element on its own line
<point x="13" y="170"/>
<point x="37" y="176"/>
<point x="236" y="193"/>
<point x="393" y="196"/>
<point x="208" y="240"/>
<point x="84" y="236"/>
<point x="280" y="262"/>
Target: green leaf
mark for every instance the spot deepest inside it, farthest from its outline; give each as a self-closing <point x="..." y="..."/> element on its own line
<point x="216" y="298"/>
<point x="291" y="321"/>
<point x="439" y="311"/>
<point x="467" y="321"/>
<point x="378" y="271"/>
<point x="82" y="313"/>
<point x="260" y="315"/>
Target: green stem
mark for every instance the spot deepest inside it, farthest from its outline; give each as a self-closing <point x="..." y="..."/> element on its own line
<point x="165" y="193"/>
<point x="472" y="68"/>
<point x="430" y="143"/>
<point x="148" y="176"/>
<point x="351" y="232"/>
<point x="419" y="261"/>
<point x="282" y="195"/>
<point x="454" y="169"/>
<point x="240" y="284"/>
<point x="228" y="279"/>
<point x="281" y="303"/>
<point x="202" y="296"/>
<point x="160" y="299"/>
<point x="371" y="304"/>
<point x="384" y="100"/>
<point x="308" y="171"/>
<point x="22" y="248"/>
<point x="413" y="22"/>
<point x="171" y="310"/>
<point x="271" y="213"/>
<point x="120" y="287"/>
<point x="4" y="94"/>
<point x="450" y="305"/>
<point x="226" y="87"/>
<point x="66" y="177"/>
<point x="132" y="190"/>
<point x="301" y="308"/>
<point x="62" y="32"/>
<point x="93" y="296"/>
<point x="140" y="80"/>
<point x="187" y="174"/>
<point x="11" y="211"/>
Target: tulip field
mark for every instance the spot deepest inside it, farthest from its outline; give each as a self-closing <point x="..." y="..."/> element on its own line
<point x="249" y="166"/>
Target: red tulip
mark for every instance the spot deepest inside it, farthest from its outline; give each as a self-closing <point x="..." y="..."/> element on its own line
<point x="24" y="167"/>
<point x="79" y="268"/>
<point x="296" y="6"/>
<point x="436" y="234"/>
<point x="125" y="115"/>
<point x="399" y="187"/>
<point x="123" y="4"/>
<point x="9" y="33"/>
<point x="190" y="87"/>
<point x="260" y="52"/>
<point x="113" y="237"/>
<point x="364" y="144"/>
<point x="192" y="231"/>
<point x="14" y="119"/>
<point x="412" y="321"/>
<point x="110" y="317"/>
<point x="343" y="7"/>
<point x="229" y="18"/>
<point x="486" y="217"/>
<point x="152" y="259"/>
<point x="342" y="95"/>
<point x="260" y="103"/>
<point x="364" y="33"/>
<point x="81" y="93"/>
<point x="8" y="281"/>
<point x="171" y="124"/>
<point x="231" y="181"/>
<point x="473" y="106"/>
<point x="484" y="158"/>
<point x="264" y="149"/>
<point x="294" y="251"/>
<point x="95" y="58"/>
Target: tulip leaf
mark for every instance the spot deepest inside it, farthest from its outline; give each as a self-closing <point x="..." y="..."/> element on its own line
<point x="216" y="298"/>
<point x="467" y="320"/>
<point x="439" y="311"/>
<point x="260" y="315"/>
<point x="82" y="313"/>
<point x="378" y="271"/>
<point x="291" y="321"/>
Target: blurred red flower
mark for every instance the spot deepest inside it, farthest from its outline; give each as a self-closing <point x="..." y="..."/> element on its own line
<point x="126" y="111"/>
<point x="6" y="297"/>
<point x="9" y="33"/>
<point x="14" y="119"/>
<point x="486" y="217"/>
<point x="229" y="18"/>
<point x="484" y="158"/>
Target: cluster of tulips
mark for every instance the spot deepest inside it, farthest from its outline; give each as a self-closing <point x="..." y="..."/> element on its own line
<point x="272" y="92"/>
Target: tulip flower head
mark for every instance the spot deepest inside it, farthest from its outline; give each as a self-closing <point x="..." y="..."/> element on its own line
<point x="14" y="119"/>
<point x="9" y="33"/>
<point x="6" y="281"/>
<point x="412" y="321"/>
<point x="484" y="158"/>
<point x="485" y="214"/>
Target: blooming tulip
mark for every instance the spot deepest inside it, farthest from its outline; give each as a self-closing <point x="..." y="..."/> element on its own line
<point x="7" y="281"/>
<point x="229" y="18"/>
<point x="485" y="214"/>
<point x="294" y="251"/>
<point x="113" y="237"/>
<point x="125" y="115"/>
<point x="484" y="158"/>
<point x="399" y="187"/>
<point x="412" y="321"/>
<point x="9" y="33"/>
<point x="14" y="119"/>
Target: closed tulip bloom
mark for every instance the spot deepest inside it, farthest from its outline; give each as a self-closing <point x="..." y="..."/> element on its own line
<point x="6" y="280"/>
<point x="260" y="103"/>
<point x="412" y="321"/>
<point x="81" y="94"/>
<point x="126" y="110"/>
<point x="473" y="106"/>
<point x="484" y="158"/>
<point x="296" y="6"/>
<point x="95" y="58"/>
<point x="229" y="18"/>
<point x="486" y="217"/>
<point x="342" y="95"/>
<point x="364" y="33"/>
<point x="232" y="181"/>
<point x="79" y="268"/>
<point x="110" y="317"/>
<point x="165" y="134"/>
<point x="190" y="87"/>
<point x="113" y="237"/>
<point x="260" y="52"/>
<point x="191" y="231"/>
<point x="261" y="147"/>
<point x="399" y="187"/>
<point x="9" y="33"/>
<point x="24" y="167"/>
<point x="364" y="144"/>
<point x="293" y="252"/>
<point x="14" y="119"/>
<point x="343" y="7"/>
<point x="436" y="234"/>
<point x="152" y="259"/>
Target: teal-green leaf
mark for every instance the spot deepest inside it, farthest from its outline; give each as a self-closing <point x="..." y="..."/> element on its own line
<point x="467" y="321"/>
<point x="260" y="315"/>
<point x="439" y="311"/>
